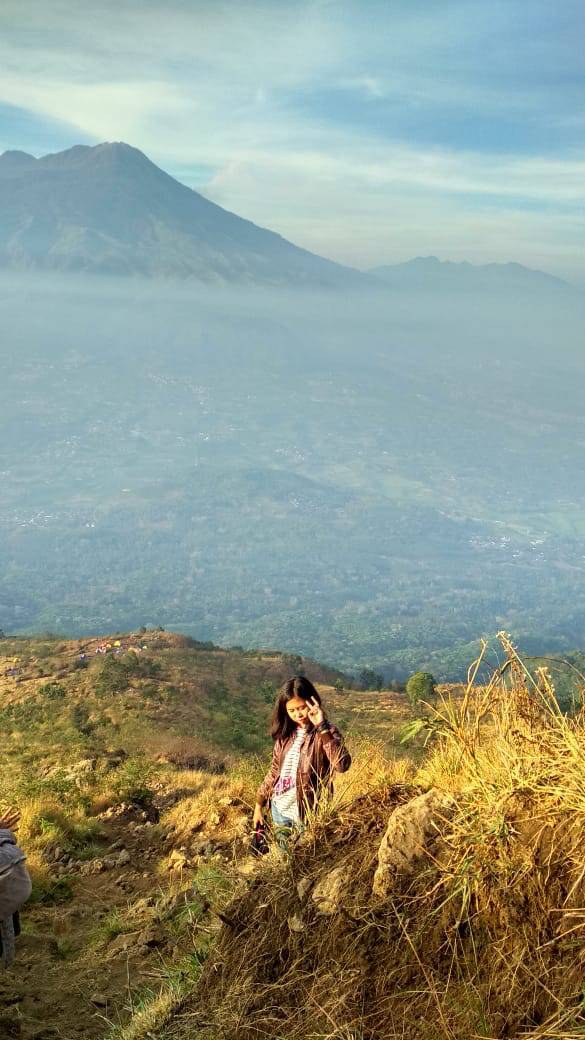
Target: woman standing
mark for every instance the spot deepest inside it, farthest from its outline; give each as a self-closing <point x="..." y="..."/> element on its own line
<point x="307" y="751"/>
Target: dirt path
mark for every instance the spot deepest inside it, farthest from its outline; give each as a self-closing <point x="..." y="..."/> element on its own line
<point x="75" y="973"/>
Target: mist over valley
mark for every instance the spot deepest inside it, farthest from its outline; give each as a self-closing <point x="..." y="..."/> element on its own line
<point x="373" y="478"/>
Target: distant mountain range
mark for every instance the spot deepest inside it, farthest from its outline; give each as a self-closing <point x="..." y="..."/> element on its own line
<point x="108" y="209"/>
<point x="429" y="273"/>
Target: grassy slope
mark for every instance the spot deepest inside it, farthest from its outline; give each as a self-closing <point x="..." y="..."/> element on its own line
<point x="484" y="938"/>
<point x="93" y="757"/>
<point x="479" y="933"/>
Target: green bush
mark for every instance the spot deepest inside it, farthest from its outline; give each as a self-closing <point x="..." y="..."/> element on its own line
<point x="421" y="687"/>
<point x="51" y="891"/>
<point x="132" y="780"/>
<point x="54" y="691"/>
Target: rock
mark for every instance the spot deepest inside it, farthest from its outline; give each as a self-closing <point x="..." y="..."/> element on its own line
<point x="127" y="943"/>
<point x="178" y="860"/>
<point x="99" y="999"/>
<point x="153" y="936"/>
<point x="411" y="839"/>
<point x="303" y="887"/>
<point x="92" y="866"/>
<point x="175" y="900"/>
<point x="110" y="862"/>
<point x="123" y="858"/>
<point x="85" y="765"/>
<point x="328" y="891"/>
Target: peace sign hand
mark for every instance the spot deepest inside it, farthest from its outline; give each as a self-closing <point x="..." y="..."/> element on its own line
<point x="315" y="712"/>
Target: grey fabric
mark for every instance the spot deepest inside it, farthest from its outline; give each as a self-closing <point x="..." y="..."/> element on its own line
<point x="8" y="941"/>
<point x="15" y="888"/>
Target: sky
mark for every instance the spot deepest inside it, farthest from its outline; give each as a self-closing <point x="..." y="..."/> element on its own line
<point x="368" y="131"/>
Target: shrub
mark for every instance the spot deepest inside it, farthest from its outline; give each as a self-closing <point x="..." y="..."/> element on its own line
<point x="112" y="678"/>
<point x="421" y="687"/>
<point x="53" y="691"/>
<point x="51" y="891"/>
<point x="131" y="783"/>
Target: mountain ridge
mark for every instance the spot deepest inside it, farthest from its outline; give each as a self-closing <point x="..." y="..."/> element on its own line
<point x="428" y="272"/>
<point x="108" y="209"/>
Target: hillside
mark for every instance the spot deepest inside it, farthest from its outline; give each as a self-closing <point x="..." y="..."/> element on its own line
<point x="449" y="907"/>
<point x="109" y="210"/>
<point x="434" y="898"/>
<point x="135" y="769"/>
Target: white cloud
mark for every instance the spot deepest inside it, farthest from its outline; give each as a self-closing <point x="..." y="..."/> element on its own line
<point x="374" y="206"/>
<point x="227" y="86"/>
<point x="110" y="111"/>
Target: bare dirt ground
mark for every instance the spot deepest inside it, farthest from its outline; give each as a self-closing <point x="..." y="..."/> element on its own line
<point x="74" y="976"/>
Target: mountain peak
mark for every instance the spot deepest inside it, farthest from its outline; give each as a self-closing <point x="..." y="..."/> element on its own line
<point x="110" y="153"/>
<point x="120" y="151"/>
<point x="14" y="155"/>
<point x="108" y="209"/>
<point x="15" y="162"/>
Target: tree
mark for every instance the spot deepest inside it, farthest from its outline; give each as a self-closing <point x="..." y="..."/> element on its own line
<point x="371" y="680"/>
<point x="420" y="687"/>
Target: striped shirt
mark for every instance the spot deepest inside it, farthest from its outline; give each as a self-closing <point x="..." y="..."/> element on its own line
<point x="284" y="793"/>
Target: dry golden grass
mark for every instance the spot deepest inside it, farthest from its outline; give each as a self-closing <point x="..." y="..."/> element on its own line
<point x="486" y="939"/>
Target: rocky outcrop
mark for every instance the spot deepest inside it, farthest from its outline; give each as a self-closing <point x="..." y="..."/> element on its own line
<point x="328" y="891"/>
<point x="412" y="840"/>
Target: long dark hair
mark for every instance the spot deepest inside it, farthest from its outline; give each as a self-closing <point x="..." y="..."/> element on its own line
<point x="282" y="726"/>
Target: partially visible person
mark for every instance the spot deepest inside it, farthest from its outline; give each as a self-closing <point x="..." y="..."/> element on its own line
<point x="308" y="750"/>
<point x="15" y="884"/>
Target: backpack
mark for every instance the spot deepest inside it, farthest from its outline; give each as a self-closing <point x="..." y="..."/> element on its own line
<point x="259" y="845"/>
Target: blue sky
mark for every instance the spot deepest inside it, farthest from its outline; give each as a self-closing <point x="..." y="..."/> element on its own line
<point x="368" y="132"/>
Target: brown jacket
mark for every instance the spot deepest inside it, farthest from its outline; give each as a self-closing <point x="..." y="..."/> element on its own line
<point x="321" y="755"/>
